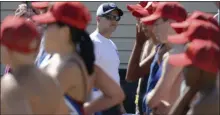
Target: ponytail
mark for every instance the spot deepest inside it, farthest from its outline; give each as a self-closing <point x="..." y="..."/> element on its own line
<point x="84" y="47"/>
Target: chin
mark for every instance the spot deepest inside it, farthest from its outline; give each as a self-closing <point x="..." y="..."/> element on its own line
<point x="113" y="29"/>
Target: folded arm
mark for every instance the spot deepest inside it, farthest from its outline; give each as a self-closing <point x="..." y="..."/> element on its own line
<point x="163" y="88"/>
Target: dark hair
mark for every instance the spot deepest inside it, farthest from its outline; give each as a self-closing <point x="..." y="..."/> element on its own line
<point x="164" y="19"/>
<point x="84" y="46"/>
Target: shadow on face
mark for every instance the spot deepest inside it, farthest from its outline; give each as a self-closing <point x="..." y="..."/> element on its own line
<point x="148" y="29"/>
<point x="52" y="35"/>
<point x="162" y="29"/>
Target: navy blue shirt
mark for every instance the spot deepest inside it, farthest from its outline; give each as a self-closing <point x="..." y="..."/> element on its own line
<point x="155" y="73"/>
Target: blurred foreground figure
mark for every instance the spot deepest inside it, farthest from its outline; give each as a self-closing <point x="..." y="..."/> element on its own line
<point x="72" y="63"/>
<point x="26" y="90"/>
<point x="201" y="38"/>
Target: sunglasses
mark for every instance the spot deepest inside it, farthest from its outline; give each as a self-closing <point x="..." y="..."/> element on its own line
<point x="112" y="17"/>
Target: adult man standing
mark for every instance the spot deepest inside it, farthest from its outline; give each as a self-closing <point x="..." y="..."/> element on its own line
<point x="107" y="58"/>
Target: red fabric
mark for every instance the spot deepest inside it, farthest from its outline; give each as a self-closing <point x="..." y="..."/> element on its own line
<point x="17" y="34"/>
<point x="200" y="53"/>
<point x="203" y="49"/>
<point x="196" y="29"/>
<point x="138" y="6"/>
<point x="170" y="10"/>
<point x="140" y="10"/>
<point x="180" y="27"/>
<point x="40" y="5"/>
<point x="72" y="13"/>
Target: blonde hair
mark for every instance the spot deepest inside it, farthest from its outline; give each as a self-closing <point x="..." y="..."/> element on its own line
<point x="21" y="10"/>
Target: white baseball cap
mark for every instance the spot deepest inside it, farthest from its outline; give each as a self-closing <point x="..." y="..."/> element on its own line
<point x="106" y="8"/>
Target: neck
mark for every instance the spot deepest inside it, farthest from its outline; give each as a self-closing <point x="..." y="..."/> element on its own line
<point x="104" y="33"/>
<point x="65" y="51"/>
<point x="154" y="40"/>
<point x="16" y="66"/>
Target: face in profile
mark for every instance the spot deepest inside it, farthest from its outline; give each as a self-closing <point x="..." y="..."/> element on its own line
<point x="161" y="29"/>
<point x="148" y="30"/>
<point x="51" y="36"/>
<point x="109" y="21"/>
<point x="56" y="35"/>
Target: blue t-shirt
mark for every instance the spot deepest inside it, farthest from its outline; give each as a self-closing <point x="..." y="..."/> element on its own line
<point x="155" y="73"/>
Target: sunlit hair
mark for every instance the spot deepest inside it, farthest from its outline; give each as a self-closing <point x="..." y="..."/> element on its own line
<point x="21" y="10"/>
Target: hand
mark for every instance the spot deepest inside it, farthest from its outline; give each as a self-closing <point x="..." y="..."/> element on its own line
<point x="140" y="35"/>
<point x="150" y="95"/>
<point x="86" y="109"/>
<point x="162" y="109"/>
<point x="122" y="109"/>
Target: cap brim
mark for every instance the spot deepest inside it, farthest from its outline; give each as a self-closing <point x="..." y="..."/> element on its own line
<point x="143" y="3"/>
<point x="120" y="12"/>
<point x="40" y="5"/>
<point x="149" y="19"/>
<point x="178" y="39"/>
<point x="182" y="25"/>
<point x="132" y="8"/>
<point x="179" y="27"/>
<point x="44" y="18"/>
<point x="180" y="60"/>
<point x="140" y="13"/>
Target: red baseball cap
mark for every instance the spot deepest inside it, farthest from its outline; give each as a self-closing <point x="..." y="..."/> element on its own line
<point x="138" y="6"/>
<point x="40" y="5"/>
<point x="203" y="50"/>
<point x="200" y="53"/>
<point x="180" y="27"/>
<point x="140" y="13"/>
<point x="146" y="10"/>
<point x="18" y="34"/>
<point x="170" y="10"/>
<point x="197" y="29"/>
<point x="71" y="13"/>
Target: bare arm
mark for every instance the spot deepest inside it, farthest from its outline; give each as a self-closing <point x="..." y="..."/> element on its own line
<point x="162" y="90"/>
<point x="112" y="93"/>
<point x="135" y="70"/>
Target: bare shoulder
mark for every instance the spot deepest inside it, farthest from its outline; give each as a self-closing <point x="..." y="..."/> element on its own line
<point x="71" y="67"/>
<point x="9" y="87"/>
<point x="72" y="72"/>
<point x="13" y="99"/>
